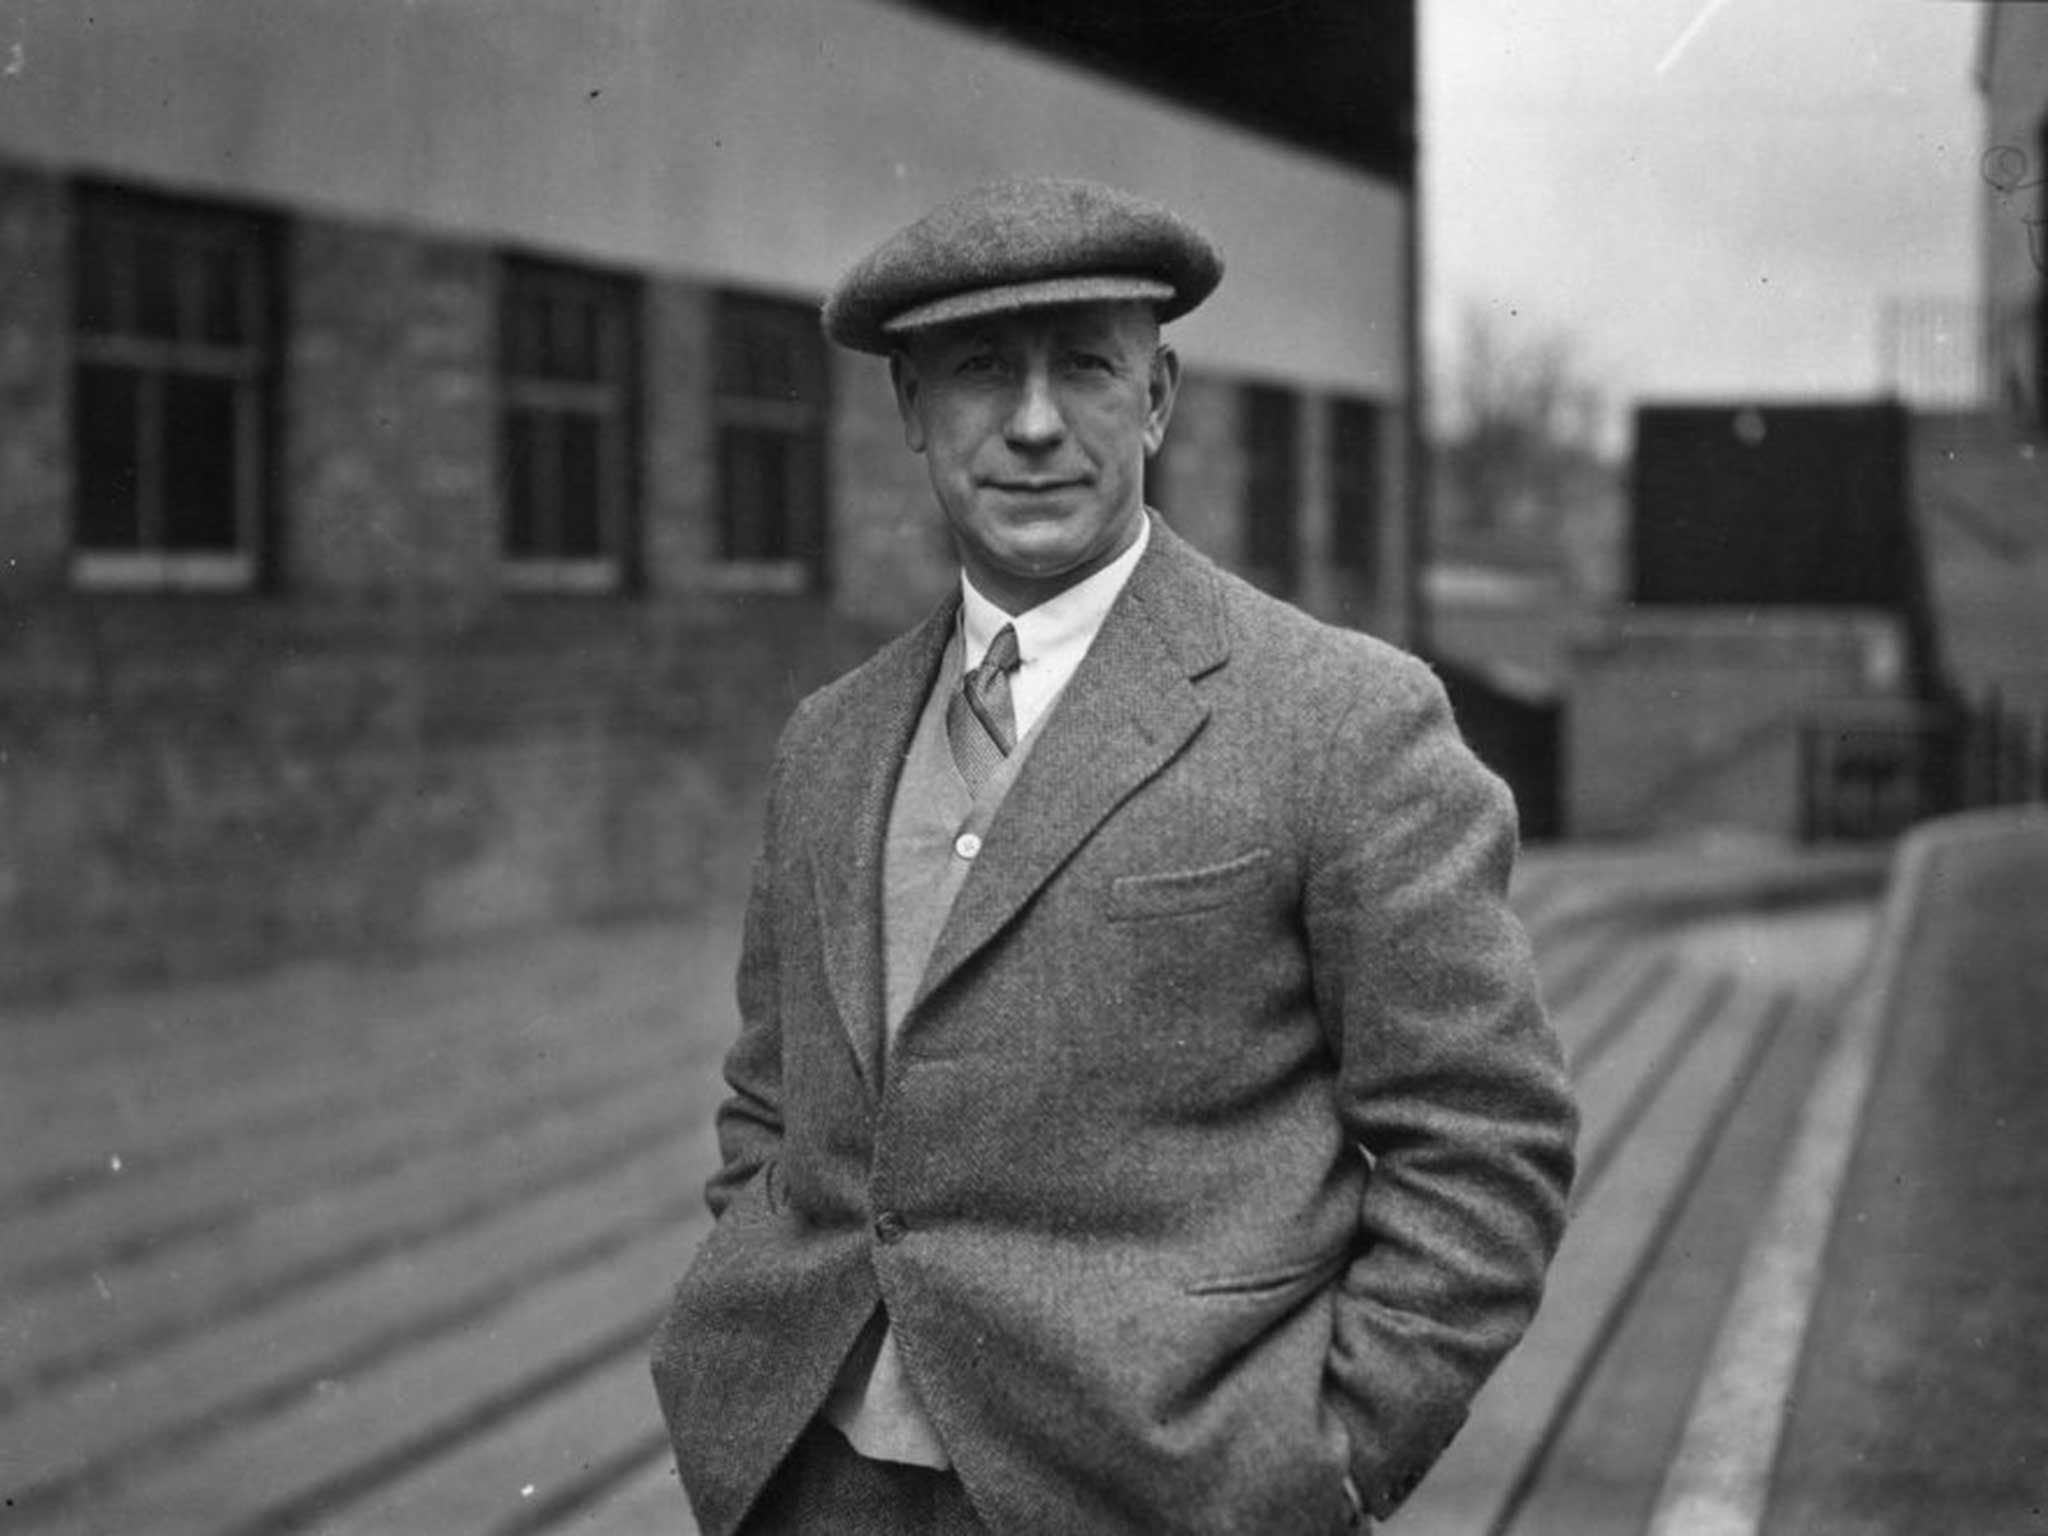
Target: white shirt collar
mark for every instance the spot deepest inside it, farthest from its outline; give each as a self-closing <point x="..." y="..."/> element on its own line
<point x="1053" y="637"/>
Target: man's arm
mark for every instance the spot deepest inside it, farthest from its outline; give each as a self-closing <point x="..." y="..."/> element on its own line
<point x="750" y="1118"/>
<point x="1449" y="1077"/>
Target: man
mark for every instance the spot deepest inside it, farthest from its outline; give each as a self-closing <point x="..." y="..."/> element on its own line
<point x="1142" y="1118"/>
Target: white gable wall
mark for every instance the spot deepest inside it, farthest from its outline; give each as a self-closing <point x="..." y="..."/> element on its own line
<point x="764" y="143"/>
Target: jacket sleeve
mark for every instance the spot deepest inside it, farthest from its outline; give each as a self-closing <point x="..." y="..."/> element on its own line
<point x="1449" y="1077"/>
<point x="749" y="1119"/>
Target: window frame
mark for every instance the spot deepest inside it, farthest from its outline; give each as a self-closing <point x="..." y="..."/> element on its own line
<point x="609" y="398"/>
<point x="1357" y="485"/>
<point x="1271" y="436"/>
<point x="125" y="344"/>
<point x="801" y="419"/>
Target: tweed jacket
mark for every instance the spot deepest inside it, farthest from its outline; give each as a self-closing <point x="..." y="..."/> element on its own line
<point x="1225" y="1145"/>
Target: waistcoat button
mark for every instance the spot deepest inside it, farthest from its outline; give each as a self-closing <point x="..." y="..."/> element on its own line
<point x="890" y="1227"/>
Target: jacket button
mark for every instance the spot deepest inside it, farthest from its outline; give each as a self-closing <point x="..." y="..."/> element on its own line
<point x="891" y="1228"/>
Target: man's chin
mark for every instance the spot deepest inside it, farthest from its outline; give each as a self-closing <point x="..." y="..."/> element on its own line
<point x="1052" y="570"/>
<point x="1040" y="545"/>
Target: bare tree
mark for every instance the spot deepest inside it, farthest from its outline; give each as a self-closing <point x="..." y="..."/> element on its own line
<point x="1522" y="424"/>
<point x="1521" y="472"/>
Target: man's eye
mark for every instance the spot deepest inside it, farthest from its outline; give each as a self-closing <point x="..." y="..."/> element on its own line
<point x="979" y="363"/>
<point x="1090" y="362"/>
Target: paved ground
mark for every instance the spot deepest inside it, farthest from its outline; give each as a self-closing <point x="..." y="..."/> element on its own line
<point x="1919" y="1400"/>
<point x="399" y="1276"/>
<point x="377" y="1249"/>
<point x="1693" y="1031"/>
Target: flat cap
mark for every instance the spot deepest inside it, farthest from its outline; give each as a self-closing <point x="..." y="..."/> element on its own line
<point x="1021" y="244"/>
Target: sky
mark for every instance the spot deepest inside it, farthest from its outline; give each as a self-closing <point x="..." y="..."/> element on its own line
<point x="1708" y="198"/>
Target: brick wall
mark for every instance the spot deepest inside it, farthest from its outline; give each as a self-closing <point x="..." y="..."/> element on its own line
<point x="198" y="786"/>
<point x="389" y="438"/>
<point x="1690" y="718"/>
<point x="1197" y="479"/>
<point x="677" y="529"/>
<point x="1199" y="482"/>
<point x="1360" y="600"/>
<point x="35" y="301"/>
<point x="378" y="749"/>
<point x="891" y="556"/>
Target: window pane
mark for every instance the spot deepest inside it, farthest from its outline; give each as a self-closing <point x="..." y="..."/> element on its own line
<point x="525" y="444"/>
<point x="105" y="254"/>
<point x="109" y="433"/>
<point x="156" y="284"/>
<point x="804" y="490"/>
<point x="1271" y="499"/>
<point x="223" y="314"/>
<point x="1354" y="478"/>
<point x="547" y="330"/>
<point x="770" y="370"/>
<point x="169" y="452"/>
<point x="754" y="507"/>
<point x="201" y="448"/>
<point x="574" y="330"/>
<point x="546" y="361"/>
<point x="522" y="323"/>
<point x="738" y="367"/>
<point x="578" y="520"/>
<point x="770" y="350"/>
<point x="566" y="450"/>
<point x="553" y="327"/>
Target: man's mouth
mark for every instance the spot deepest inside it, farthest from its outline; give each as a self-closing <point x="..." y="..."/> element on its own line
<point x="1034" y="486"/>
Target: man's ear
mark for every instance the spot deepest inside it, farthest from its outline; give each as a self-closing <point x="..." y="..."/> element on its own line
<point x="1161" y="385"/>
<point x="904" y="380"/>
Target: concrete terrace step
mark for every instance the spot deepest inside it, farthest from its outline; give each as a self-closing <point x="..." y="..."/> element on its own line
<point x="139" y="1079"/>
<point x="161" y="1406"/>
<point x="1565" y="889"/>
<point x="1602" y="1459"/>
<point x="342" y="1445"/>
<point x="562" y="1149"/>
<point x="89" y="1319"/>
<point x="1662" y="1075"/>
<point x="154" y="1208"/>
<point x="644" y="1500"/>
<point x="419" y="1298"/>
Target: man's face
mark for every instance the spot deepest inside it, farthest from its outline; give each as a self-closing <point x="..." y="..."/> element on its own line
<point x="1035" y="428"/>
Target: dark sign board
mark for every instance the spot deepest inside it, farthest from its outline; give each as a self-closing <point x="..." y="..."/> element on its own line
<point x="1772" y="504"/>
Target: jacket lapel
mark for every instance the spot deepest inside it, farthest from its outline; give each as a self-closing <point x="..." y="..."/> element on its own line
<point x="1128" y="711"/>
<point x="857" y="785"/>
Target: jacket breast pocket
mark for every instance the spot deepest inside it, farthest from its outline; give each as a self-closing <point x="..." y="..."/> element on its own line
<point x="1173" y="892"/>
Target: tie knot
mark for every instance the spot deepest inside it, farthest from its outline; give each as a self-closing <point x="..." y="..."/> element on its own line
<point x="1001" y="655"/>
<point x="981" y="723"/>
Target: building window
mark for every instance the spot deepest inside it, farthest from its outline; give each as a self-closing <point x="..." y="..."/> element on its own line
<point x="566" y="380"/>
<point x="1272" y="434"/>
<point x="769" y="409"/>
<point x="1355" y="487"/>
<point x="170" y="392"/>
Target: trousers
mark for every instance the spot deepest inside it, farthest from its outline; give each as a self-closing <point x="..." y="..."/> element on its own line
<point x="825" y="1486"/>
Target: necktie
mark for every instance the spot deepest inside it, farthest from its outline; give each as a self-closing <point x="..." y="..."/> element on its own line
<point x="981" y="727"/>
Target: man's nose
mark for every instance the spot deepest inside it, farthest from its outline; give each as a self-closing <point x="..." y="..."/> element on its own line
<point x="1036" y="419"/>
